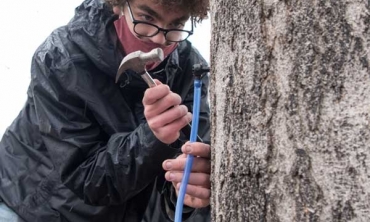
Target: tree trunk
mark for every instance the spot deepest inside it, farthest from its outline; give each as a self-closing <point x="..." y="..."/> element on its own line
<point x="290" y="99"/>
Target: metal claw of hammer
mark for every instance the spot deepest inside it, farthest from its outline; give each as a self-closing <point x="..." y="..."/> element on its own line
<point x="136" y="61"/>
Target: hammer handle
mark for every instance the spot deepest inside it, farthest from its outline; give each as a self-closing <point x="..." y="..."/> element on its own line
<point x="148" y="79"/>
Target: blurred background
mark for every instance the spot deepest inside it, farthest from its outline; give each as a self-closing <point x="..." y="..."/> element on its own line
<point x="24" y="26"/>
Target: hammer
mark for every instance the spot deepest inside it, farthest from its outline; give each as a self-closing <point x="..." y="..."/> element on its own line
<point x="136" y="61"/>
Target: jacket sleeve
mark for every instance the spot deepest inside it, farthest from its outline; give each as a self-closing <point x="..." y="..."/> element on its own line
<point x="102" y="169"/>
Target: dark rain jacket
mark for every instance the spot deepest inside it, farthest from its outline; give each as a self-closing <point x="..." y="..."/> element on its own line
<point x="80" y="149"/>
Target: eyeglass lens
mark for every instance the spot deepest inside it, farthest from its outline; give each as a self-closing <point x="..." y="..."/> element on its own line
<point x="144" y="29"/>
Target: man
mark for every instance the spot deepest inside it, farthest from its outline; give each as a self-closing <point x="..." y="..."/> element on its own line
<point x="85" y="148"/>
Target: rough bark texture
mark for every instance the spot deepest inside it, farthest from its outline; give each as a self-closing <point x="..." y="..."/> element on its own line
<point x="290" y="95"/>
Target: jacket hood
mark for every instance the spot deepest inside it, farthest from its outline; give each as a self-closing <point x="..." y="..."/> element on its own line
<point x="92" y="30"/>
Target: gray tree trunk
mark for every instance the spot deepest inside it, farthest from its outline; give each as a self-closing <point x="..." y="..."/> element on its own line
<point x="290" y="97"/>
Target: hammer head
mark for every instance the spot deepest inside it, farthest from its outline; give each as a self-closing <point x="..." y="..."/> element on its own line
<point x="136" y="61"/>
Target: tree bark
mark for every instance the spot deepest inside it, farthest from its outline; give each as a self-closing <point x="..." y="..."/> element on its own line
<point x="290" y="100"/>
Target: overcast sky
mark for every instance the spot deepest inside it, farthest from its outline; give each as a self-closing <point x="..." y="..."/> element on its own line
<point x="24" y="25"/>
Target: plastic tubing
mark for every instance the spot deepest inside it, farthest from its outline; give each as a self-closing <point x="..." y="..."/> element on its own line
<point x="189" y="158"/>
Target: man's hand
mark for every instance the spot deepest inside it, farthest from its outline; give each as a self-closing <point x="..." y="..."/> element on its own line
<point x="198" y="191"/>
<point x="165" y="116"/>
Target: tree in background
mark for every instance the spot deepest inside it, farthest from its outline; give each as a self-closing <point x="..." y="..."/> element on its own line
<point x="290" y="95"/>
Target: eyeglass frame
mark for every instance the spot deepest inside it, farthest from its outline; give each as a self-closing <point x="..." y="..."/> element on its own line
<point x="159" y="29"/>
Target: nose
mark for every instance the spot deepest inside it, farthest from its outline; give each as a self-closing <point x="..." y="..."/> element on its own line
<point x="159" y="39"/>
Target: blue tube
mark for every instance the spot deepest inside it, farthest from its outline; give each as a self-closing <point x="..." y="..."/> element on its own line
<point x="189" y="159"/>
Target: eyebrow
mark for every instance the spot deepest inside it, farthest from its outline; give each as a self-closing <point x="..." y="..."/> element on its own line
<point x="150" y="11"/>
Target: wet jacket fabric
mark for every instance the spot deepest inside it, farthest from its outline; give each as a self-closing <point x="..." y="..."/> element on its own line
<point x="80" y="149"/>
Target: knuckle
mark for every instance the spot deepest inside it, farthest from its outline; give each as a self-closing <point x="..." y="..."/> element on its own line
<point x="185" y="109"/>
<point x="201" y="193"/>
<point x="206" y="194"/>
<point x="180" y="111"/>
<point x="163" y="90"/>
<point x="154" y="124"/>
<point x="179" y="164"/>
<point x="164" y="87"/>
<point x="177" y="177"/>
<point x="207" y="181"/>
<point x="200" y="179"/>
<point x="147" y="97"/>
<point x="194" y="191"/>
<point x="175" y="99"/>
<point x="147" y="113"/>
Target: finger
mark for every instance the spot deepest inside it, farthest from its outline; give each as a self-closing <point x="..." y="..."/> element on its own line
<point x="173" y="127"/>
<point x="199" y="165"/>
<point x="169" y="164"/>
<point x="155" y="93"/>
<point x="171" y="132"/>
<point x="195" y="202"/>
<point x="172" y="115"/>
<point x="169" y="101"/>
<point x="196" y="191"/>
<point x="197" y="179"/>
<point x="197" y="149"/>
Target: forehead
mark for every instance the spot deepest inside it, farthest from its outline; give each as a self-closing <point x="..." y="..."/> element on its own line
<point x="163" y="7"/>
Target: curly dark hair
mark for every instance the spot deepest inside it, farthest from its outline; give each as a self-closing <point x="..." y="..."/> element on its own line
<point x="197" y="8"/>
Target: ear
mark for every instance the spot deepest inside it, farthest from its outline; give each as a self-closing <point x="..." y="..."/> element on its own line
<point x="118" y="10"/>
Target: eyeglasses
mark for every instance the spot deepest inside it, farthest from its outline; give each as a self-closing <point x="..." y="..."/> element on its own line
<point x="147" y="29"/>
